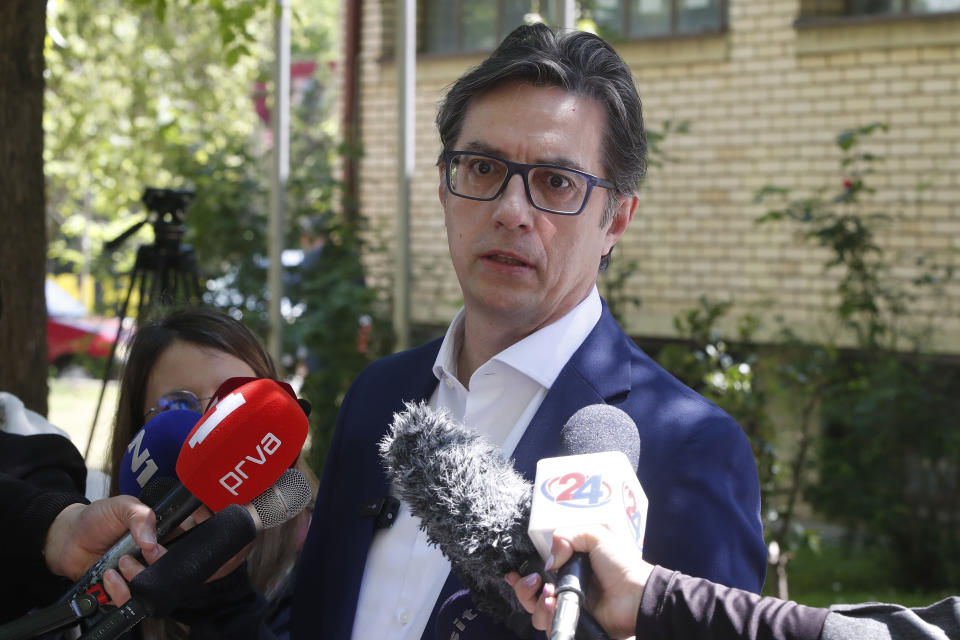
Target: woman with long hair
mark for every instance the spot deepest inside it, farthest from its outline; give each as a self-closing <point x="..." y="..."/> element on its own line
<point x="178" y="361"/>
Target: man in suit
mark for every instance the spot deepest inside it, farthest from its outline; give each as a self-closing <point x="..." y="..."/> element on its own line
<point x="543" y="150"/>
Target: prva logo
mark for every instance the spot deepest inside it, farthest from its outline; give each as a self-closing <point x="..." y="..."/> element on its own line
<point x="268" y="446"/>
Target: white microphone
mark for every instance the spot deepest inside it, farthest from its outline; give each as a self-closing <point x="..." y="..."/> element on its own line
<point x="597" y="485"/>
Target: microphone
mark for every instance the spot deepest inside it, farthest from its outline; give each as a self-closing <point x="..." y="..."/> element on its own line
<point x="236" y="451"/>
<point x="595" y="483"/>
<point x="242" y="443"/>
<point x="153" y="451"/>
<point x="476" y="508"/>
<point x="472" y="503"/>
<point x="147" y="470"/>
<point x="158" y="589"/>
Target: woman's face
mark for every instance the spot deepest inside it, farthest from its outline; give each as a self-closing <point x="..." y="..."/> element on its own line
<point x="185" y="366"/>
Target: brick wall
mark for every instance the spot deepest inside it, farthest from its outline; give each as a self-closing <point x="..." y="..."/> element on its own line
<point x="764" y="101"/>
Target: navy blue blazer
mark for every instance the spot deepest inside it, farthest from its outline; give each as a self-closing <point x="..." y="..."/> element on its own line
<point x="696" y="468"/>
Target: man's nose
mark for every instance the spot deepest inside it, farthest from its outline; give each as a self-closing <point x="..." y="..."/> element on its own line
<point x="513" y="209"/>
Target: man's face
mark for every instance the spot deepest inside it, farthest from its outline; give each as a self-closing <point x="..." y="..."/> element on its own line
<point x="520" y="267"/>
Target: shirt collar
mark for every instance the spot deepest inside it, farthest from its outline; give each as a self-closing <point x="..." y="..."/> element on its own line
<point x="541" y="355"/>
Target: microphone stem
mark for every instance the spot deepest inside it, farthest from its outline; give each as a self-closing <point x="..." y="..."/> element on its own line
<point x="570" y="586"/>
<point x="566" y="616"/>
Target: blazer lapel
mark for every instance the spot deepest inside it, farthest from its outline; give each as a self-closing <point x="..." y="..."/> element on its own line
<point x="598" y="371"/>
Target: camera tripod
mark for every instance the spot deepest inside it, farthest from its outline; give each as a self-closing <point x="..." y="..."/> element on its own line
<point x="164" y="273"/>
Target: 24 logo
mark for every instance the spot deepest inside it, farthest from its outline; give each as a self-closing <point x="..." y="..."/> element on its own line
<point x="634" y="515"/>
<point x="577" y="490"/>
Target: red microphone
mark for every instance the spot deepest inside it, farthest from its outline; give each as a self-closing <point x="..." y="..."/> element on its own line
<point x="252" y="431"/>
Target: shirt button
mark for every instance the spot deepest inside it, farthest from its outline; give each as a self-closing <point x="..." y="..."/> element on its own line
<point x="449" y="383"/>
<point x="404" y="617"/>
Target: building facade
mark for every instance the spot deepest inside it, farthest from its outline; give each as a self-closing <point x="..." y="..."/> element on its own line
<point x="764" y="87"/>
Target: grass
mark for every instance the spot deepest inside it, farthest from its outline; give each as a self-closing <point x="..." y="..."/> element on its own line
<point x="840" y="575"/>
<point x="71" y="405"/>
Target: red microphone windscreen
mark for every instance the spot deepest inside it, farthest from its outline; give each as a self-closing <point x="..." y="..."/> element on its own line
<point x="242" y="444"/>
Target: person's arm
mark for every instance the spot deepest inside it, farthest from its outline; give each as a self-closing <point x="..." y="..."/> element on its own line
<point x="679" y="606"/>
<point x="33" y="510"/>
<point x="880" y="621"/>
<point x="629" y="596"/>
<point x="58" y="536"/>
<point x="81" y="533"/>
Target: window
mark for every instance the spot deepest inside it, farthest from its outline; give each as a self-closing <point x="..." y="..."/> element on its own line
<point x="886" y="7"/>
<point x="463" y="26"/>
<point x="635" y="19"/>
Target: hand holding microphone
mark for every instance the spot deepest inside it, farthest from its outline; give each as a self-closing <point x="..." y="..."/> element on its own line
<point x="619" y="576"/>
<point x="159" y="589"/>
<point x="595" y="483"/>
<point x="477" y="509"/>
<point x="252" y="432"/>
<point x="81" y="533"/>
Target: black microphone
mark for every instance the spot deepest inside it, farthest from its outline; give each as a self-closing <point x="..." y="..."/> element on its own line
<point x="158" y="589"/>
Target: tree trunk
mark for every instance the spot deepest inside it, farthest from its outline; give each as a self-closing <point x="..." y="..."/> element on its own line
<point x="23" y="241"/>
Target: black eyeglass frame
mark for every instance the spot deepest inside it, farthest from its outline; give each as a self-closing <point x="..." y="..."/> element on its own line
<point x="514" y="168"/>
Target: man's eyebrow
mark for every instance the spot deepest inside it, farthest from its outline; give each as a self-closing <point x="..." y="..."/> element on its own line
<point x="482" y="147"/>
<point x="560" y="161"/>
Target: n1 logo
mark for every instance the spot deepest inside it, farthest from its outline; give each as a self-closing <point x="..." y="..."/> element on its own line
<point x="577" y="490"/>
<point x="141" y="459"/>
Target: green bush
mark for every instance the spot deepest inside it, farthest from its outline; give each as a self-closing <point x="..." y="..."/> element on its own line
<point x="888" y="455"/>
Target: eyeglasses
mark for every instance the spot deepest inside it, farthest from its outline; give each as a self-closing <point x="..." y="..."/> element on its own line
<point x="550" y="188"/>
<point x="177" y="400"/>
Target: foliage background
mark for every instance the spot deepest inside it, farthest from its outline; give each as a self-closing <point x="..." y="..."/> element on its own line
<point x="139" y="94"/>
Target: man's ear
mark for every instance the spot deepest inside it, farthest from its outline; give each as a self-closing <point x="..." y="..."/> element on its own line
<point x="626" y="207"/>
<point x="441" y="191"/>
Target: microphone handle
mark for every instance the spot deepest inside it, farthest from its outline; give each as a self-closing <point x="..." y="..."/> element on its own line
<point x="171" y="511"/>
<point x="569" y="597"/>
<point x="572" y="620"/>
<point x="118" y="621"/>
<point x="174" y="509"/>
<point x="48" y="619"/>
<point x="158" y="589"/>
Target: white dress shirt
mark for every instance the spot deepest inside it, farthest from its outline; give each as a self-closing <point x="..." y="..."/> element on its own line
<point x="404" y="575"/>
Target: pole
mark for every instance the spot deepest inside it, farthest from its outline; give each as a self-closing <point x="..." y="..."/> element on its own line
<point x="567" y="14"/>
<point x="279" y="176"/>
<point x="406" y="82"/>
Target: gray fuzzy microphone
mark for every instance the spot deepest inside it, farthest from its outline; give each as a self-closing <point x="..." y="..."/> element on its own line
<point x="471" y="502"/>
<point x="475" y="507"/>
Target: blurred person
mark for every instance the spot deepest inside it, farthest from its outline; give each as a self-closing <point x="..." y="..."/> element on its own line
<point x="177" y="362"/>
<point x="628" y="597"/>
